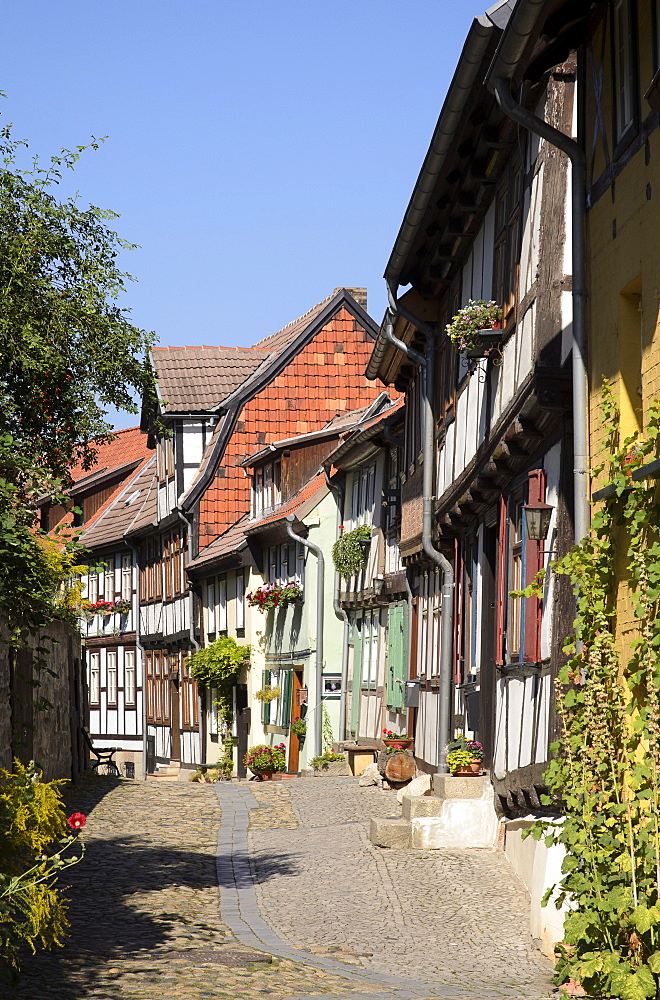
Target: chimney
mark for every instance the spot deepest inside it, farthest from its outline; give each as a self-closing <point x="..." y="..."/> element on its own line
<point x="359" y="294"/>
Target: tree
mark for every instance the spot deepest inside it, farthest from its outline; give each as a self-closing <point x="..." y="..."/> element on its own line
<point x="67" y="349"/>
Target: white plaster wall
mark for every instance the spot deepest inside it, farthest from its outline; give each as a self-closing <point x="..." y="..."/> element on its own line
<point x="539" y="867"/>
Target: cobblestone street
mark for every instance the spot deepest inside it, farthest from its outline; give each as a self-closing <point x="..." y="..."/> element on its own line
<point x="307" y="906"/>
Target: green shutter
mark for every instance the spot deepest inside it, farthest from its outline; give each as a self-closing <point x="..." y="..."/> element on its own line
<point x="287" y="686"/>
<point x="357" y="674"/>
<point x="397" y="650"/>
<point x="265" y="705"/>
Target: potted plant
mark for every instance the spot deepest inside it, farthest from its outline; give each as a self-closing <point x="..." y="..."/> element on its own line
<point x="265" y="761"/>
<point x="464" y="757"/>
<point x="349" y="553"/>
<point x="274" y="595"/>
<point x="476" y="328"/>
<point x="330" y="763"/>
<point x="268" y="693"/>
<point x="397" y="741"/>
<point x="298" y="728"/>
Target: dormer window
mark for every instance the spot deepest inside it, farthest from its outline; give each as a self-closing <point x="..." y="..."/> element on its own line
<point x="266" y="489"/>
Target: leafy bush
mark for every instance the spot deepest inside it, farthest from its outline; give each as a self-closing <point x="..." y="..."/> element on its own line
<point x="34" y="837"/>
<point x="217" y="667"/>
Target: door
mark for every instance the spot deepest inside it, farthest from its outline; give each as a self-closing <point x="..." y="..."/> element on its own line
<point x="357" y="674"/>
<point x="175" y="717"/>
<point x="296" y="713"/>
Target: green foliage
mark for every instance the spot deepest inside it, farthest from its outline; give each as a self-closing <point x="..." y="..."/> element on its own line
<point x="476" y="315"/>
<point x="32" y="824"/>
<point x="216" y="667"/>
<point x="348" y="552"/>
<point x="264" y="758"/>
<point x="458" y="758"/>
<point x="298" y="727"/>
<point x="68" y="350"/>
<point x="605" y="777"/>
<point x="268" y="693"/>
<point x="326" y="731"/>
<point x="321" y="763"/>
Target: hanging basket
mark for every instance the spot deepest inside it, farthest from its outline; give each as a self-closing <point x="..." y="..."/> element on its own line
<point x="488" y="340"/>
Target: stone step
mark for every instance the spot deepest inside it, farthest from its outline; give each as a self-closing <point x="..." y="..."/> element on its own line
<point x="413" y="806"/>
<point x="390" y="831"/>
<point x="447" y="786"/>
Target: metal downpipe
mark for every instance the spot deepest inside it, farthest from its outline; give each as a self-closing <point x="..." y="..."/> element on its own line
<point x="571" y="148"/>
<point x="320" y="597"/>
<point x="427" y="363"/>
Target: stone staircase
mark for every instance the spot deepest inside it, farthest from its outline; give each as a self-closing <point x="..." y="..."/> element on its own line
<point x="456" y="812"/>
<point x="166" y="772"/>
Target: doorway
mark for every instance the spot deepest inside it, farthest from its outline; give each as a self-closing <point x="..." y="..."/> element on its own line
<point x="298" y="711"/>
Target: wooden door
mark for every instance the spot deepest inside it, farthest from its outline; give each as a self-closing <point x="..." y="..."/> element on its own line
<point x="296" y="713"/>
<point x="175" y="721"/>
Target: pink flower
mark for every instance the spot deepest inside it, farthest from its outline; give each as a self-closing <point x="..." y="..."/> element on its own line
<point x="77" y="820"/>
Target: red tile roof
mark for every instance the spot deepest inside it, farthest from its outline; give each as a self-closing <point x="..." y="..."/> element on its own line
<point x="127" y="446"/>
<point x="232" y="540"/>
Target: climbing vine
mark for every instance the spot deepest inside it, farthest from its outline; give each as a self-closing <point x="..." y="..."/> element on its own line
<point x="605" y="777"/>
<point x="216" y="667"/>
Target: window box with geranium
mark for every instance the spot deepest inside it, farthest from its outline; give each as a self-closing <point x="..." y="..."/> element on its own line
<point x="274" y="595"/>
<point x="105" y="608"/>
<point x="476" y="328"/>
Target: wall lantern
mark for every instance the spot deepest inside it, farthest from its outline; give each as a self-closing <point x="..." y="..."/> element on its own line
<point x="537" y="520"/>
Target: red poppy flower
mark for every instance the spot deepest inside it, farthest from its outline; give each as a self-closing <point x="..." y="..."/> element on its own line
<point x="77" y="820"/>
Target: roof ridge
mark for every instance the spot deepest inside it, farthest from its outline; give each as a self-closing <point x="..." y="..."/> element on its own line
<point x="298" y="319"/>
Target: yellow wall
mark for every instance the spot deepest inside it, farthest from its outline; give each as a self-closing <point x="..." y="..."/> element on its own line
<point x="623" y="254"/>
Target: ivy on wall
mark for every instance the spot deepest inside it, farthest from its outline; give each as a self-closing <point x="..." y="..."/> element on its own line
<point x="216" y="667"/>
<point x="605" y="777"/>
<point x="348" y="552"/>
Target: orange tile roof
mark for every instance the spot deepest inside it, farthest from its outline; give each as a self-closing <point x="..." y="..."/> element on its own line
<point x="232" y="540"/>
<point x="128" y="445"/>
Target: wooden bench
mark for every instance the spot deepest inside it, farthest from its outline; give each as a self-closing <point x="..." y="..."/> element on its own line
<point x="103" y="757"/>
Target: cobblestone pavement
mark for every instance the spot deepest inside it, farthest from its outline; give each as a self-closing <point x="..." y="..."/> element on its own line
<point x="299" y="883"/>
<point x="453" y="923"/>
<point x="144" y="912"/>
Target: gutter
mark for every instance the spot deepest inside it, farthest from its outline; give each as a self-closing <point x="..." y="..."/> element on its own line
<point x="498" y="79"/>
<point x="426" y="362"/>
<point x="338" y="492"/>
<point x="320" y="596"/>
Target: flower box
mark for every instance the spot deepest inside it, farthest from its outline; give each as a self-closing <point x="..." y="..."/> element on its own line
<point x="484" y="344"/>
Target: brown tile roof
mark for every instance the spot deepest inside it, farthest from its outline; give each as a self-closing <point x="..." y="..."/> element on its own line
<point x="298" y="504"/>
<point x="231" y="541"/>
<point x="133" y="505"/>
<point x="363" y="432"/>
<point x="278" y="341"/>
<point x="199" y="378"/>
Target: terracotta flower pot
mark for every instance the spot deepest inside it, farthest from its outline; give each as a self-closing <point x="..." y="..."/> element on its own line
<point x="403" y="742"/>
<point x="471" y="770"/>
<point x="264" y="775"/>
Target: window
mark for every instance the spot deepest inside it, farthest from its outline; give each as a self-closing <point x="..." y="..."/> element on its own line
<point x="93" y="588"/>
<point x="112" y="677"/>
<point x="624" y="82"/>
<point x="110" y="582"/>
<point x="165" y="458"/>
<point x="126" y="577"/>
<point x="286" y="563"/>
<point x="466" y="632"/>
<point x="428" y="635"/>
<point x="370" y="648"/>
<point x="222" y="604"/>
<point x="413" y="423"/>
<point x="240" y="600"/>
<point x="129" y="677"/>
<point x="363" y="495"/>
<point x="506" y="252"/>
<point x="210" y="608"/>
<point x="266" y="492"/>
<point x="520" y="558"/>
<point x="94" y="678"/>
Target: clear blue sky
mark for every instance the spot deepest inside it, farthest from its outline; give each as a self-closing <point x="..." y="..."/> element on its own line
<point x="259" y="153"/>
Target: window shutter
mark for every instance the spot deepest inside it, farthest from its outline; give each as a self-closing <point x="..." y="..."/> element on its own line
<point x="265" y="705"/>
<point x="533" y="609"/>
<point x="501" y="583"/>
<point x="397" y="645"/>
<point x="287" y="684"/>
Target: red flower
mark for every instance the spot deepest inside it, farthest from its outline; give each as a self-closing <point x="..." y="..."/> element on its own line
<point x="77" y="820"/>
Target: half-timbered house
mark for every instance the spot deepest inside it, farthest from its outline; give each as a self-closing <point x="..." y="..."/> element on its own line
<point x="488" y="432"/>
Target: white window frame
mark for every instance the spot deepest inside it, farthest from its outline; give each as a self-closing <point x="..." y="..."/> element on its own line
<point x="623" y="76"/>
<point x="240" y="599"/>
<point x="93" y="588"/>
<point x="210" y="607"/>
<point x="130" y="686"/>
<point x="94" y="678"/>
<point x="222" y="604"/>
<point x="111" y="676"/>
<point x="126" y="577"/>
